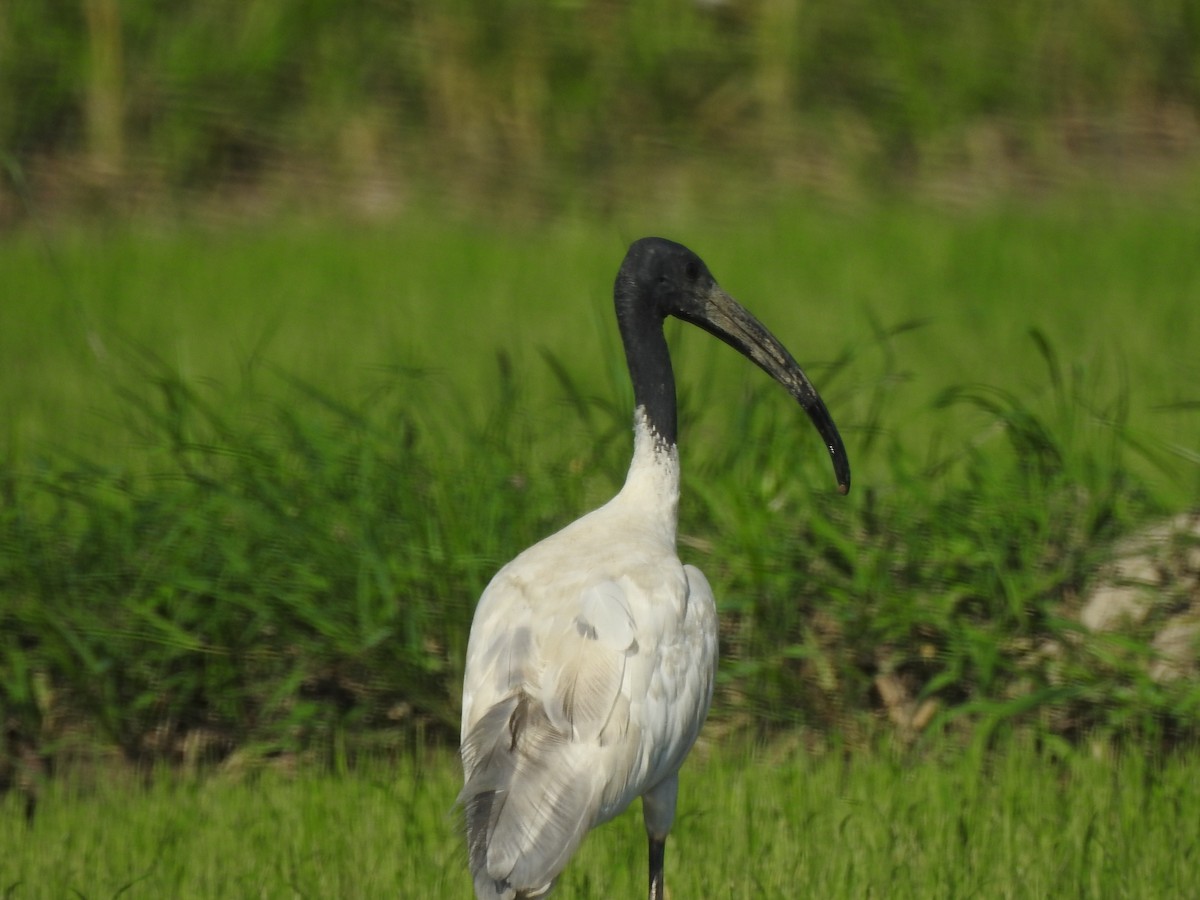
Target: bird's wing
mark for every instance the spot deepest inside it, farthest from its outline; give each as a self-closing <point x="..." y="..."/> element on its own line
<point x="585" y="664"/>
<point x="501" y="652"/>
<point x="701" y="629"/>
<point x="549" y="705"/>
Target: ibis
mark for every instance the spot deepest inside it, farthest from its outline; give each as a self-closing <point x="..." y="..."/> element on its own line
<point x="592" y="654"/>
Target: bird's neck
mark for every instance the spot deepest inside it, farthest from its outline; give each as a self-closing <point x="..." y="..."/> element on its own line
<point x="649" y="367"/>
<point x="651" y="489"/>
<point x="652" y="485"/>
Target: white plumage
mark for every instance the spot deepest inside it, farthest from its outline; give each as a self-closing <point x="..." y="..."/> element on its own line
<point x="592" y="655"/>
<point x="608" y="645"/>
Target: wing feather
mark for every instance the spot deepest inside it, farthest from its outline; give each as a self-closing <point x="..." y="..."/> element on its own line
<point x="585" y="667"/>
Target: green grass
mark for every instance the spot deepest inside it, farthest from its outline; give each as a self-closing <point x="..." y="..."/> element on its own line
<point x="254" y="481"/>
<point x="772" y="823"/>
<point x="1110" y="283"/>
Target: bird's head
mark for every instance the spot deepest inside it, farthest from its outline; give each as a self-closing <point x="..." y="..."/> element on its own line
<point x="665" y="278"/>
<point x="660" y="278"/>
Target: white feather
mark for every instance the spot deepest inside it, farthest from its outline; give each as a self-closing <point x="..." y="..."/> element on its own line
<point x="589" y="673"/>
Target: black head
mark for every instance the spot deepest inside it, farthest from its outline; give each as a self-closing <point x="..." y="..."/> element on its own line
<point x="661" y="278"/>
<point x="665" y="278"/>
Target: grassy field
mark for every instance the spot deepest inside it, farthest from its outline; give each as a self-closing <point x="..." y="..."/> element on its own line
<point x="257" y="461"/>
<point x="254" y="480"/>
<point x="356" y="309"/>
<point x="773" y="823"/>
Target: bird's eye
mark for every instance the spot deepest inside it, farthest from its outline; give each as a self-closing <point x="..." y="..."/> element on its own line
<point x="692" y="271"/>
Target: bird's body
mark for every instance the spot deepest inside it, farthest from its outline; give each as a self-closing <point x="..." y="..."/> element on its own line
<point x="592" y="654"/>
<point x="611" y="645"/>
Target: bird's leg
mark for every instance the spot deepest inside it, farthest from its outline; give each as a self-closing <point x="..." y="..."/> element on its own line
<point x="658" y="811"/>
<point x="658" y="847"/>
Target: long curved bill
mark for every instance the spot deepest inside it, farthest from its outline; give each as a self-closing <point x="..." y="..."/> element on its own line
<point x="724" y="317"/>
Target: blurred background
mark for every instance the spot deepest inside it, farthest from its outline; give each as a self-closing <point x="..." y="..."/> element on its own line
<point x="306" y="329"/>
<point x="519" y="108"/>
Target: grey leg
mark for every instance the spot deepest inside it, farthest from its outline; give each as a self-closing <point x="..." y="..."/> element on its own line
<point x="658" y="810"/>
